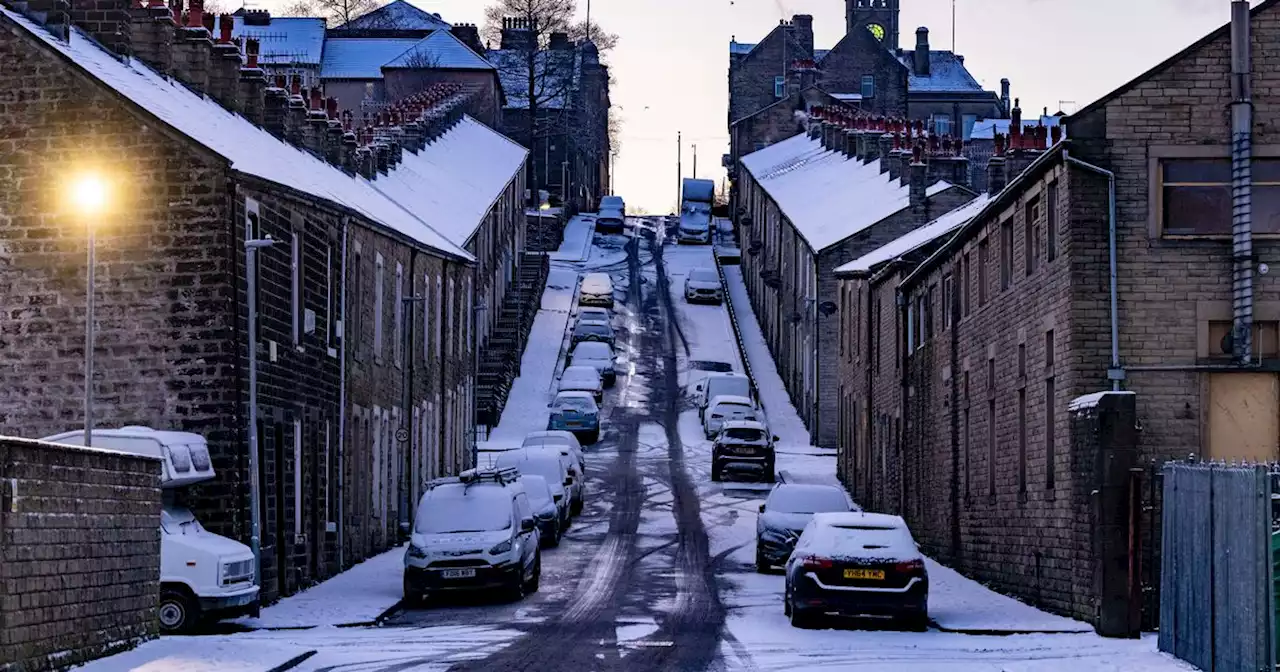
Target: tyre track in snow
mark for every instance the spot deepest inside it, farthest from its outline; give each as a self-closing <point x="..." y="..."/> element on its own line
<point x="583" y="636"/>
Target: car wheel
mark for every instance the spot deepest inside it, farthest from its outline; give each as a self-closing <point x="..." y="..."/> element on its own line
<point x="553" y="539"/>
<point x="412" y="595"/>
<point x="771" y="477"/>
<point x="786" y="602"/>
<point x="802" y="618"/>
<point x="916" y="621"/>
<point x="715" y="473"/>
<point x="516" y="591"/>
<point x="178" y="612"/>
<point x="576" y="507"/>
<point x="762" y="563"/>
<point x="592" y="437"/>
<point x="532" y="587"/>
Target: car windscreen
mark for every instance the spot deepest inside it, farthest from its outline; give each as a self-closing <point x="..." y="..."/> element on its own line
<point x="807" y="500"/>
<point x="580" y="379"/>
<point x="599" y="328"/>
<point x="580" y="404"/>
<point x="729" y="387"/>
<point x="744" y="434"/>
<point x="483" y="509"/>
<point x="539" y="491"/>
<point x="591" y="351"/>
<point x="704" y="275"/>
<point x="547" y="467"/>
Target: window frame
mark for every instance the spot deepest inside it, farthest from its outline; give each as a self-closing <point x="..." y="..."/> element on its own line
<point x="868" y="84"/>
<point x="1051" y="221"/>
<point x="1158" y="154"/>
<point x="379" y="296"/>
<point x="780" y="86"/>
<point x="297" y="299"/>
<point x="397" y="311"/>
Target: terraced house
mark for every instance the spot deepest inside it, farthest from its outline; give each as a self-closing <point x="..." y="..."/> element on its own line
<point x="1113" y="262"/>
<point x="815" y="202"/>
<point x="365" y="311"/>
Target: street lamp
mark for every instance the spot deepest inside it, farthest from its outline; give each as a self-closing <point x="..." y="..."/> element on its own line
<point x="89" y="199"/>
<point x="251" y="248"/>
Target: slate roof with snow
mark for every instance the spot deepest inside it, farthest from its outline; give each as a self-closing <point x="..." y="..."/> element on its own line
<point x="246" y="147"/>
<point x="286" y="40"/>
<point x="398" y="15"/>
<point x="361" y="58"/>
<point x="440" y="50"/>
<point x="826" y="195"/>
<point x="918" y="238"/>
<point x="467" y="169"/>
<point x="947" y="74"/>
<point x="740" y="48"/>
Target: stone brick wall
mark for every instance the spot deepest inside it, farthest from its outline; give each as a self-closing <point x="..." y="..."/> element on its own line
<point x="860" y="54"/>
<point x="79" y="553"/>
<point x="751" y="77"/>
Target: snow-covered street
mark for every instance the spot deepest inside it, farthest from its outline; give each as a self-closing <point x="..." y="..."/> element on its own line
<point x="658" y="571"/>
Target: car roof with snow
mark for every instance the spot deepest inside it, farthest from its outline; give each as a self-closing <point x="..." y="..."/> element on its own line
<point x="732" y="399"/>
<point x="592" y="350"/>
<point x="576" y="394"/>
<point x="579" y="371"/>
<point x="881" y="521"/>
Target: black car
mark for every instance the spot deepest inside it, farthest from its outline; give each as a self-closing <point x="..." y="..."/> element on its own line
<point x="785" y="513"/>
<point x="743" y="447"/>
<point x="593" y="331"/>
<point x="857" y="564"/>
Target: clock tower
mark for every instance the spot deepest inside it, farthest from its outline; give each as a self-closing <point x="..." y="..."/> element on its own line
<point x="878" y="16"/>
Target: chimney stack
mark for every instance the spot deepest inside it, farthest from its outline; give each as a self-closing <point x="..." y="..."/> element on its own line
<point x="559" y="41"/>
<point x="922" y="52"/>
<point x="108" y="21"/>
<point x="224" y="71"/>
<point x="253" y="84"/>
<point x="802" y="31"/>
<point x="275" y="106"/>
<point x="295" y="114"/>
<point x="997" y="168"/>
<point x="317" y="124"/>
<point x="151" y="35"/>
<point x="1004" y="95"/>
<point x="918" y="185"/>
<point x="192" y="49"/>
<point x="54" y="15"/>
<point x="885" y="142"/>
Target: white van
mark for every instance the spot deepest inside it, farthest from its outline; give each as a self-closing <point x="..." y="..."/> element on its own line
<point x="613" y="202"/>
<point x="596" y="290"/>
<point x="202" y="575"/>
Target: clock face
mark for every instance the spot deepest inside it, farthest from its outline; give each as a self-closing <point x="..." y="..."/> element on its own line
<point x="877" y="30"/>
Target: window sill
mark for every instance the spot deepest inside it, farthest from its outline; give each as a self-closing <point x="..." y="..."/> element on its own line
<point x="333" y="352"/>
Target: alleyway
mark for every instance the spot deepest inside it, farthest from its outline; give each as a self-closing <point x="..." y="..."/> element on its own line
<point x="657" y="573"/>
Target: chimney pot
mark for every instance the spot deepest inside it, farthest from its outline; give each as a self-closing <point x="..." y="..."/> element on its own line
<point x="195" y="14"/>
<point x="224" y="28"/>
<point x="251" y="54"/>
<point x="331" y="108"/>
<point x="921" y="55"/>
<point x="295" y="85"/>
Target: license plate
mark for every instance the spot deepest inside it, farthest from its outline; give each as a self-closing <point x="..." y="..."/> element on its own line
<point x="573" y="424"/>
<point x="873" y="574"/>
<point x="742" y="450"/>
<point x="459" y="573"/>
<point x="243" y="600"/>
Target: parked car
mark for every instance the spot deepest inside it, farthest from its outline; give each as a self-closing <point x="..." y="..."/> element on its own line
<point x="582" y="379"/>
<point x="592" y="331"/>
<point x="566" y="444"/>
<point x="596" y="290"/>
<point x="727" y="408"/>
<point x="473" y="532"/>
<point x="743" y="447"/>
<point x="610" y="220"/>
<point x="720" y="384"/>
<point x="613" y="203"/>
<point x="857" y="564"/>
<point x="546" y="464"/>
<point x="598" y="356"/>
<point x="592" y="314"/>
<point x="544" y="509"/>
<point x="703" y="284"/>
<point x="577" y="412"/>
<point x="784" y="514"/>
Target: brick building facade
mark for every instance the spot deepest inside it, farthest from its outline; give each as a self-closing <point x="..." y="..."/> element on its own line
<point x="798" y="228"/>
<point x="1011" y="319"/>
<point x="191" y="178"/>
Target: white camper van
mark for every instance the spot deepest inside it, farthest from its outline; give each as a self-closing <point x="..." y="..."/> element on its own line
<point x="203" y="576"/>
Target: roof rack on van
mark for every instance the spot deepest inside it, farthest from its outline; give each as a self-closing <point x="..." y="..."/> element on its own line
<point x="500" y="475"/>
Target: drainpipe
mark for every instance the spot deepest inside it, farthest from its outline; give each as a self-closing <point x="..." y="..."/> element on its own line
<point x="342" y="400"/>
<point x="903" y="355"/>
<point x="1241" y="185"/>
<point x="1116" y="373"/>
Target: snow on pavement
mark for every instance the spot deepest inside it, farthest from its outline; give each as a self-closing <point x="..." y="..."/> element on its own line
<point x="959" y="603"/>
<point x="783" y="418"/>
<point x="576" y="245"/>
<point x="359" y="595"/>
<point x="200" y="654"/>
<point x="526" y="409"/>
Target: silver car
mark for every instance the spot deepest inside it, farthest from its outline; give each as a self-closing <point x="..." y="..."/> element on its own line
<point x="703" y="284"/>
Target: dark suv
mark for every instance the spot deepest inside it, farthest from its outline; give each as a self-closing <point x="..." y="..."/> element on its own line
<point x="743" y="447"/>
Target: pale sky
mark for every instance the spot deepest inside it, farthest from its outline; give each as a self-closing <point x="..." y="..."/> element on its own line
<point x="671" y="63"/>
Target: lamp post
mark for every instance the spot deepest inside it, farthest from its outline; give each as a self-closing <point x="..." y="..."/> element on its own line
<point x="251" y="248"/>
<point x="404" y="434"/>
<point x="89" y="194"/>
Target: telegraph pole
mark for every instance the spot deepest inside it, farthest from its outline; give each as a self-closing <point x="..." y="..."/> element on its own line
<point x="695" y="161"/>
<point x="679" y="171"/>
